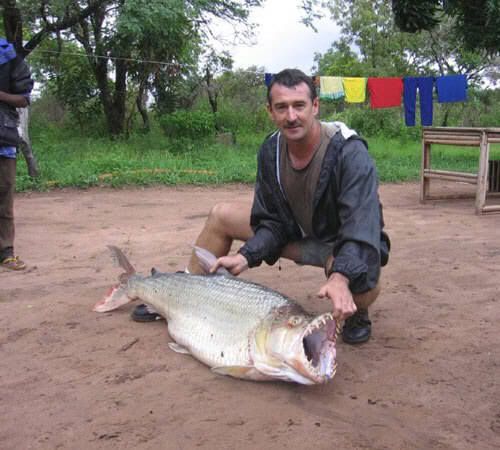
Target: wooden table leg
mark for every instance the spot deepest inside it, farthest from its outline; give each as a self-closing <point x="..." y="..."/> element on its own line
<point x="426" y="162"/>
<point x="482" y="176"/>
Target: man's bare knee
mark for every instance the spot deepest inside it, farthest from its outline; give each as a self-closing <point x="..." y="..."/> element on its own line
<point x="216" y="216"/>
<point x="230" y="219"/>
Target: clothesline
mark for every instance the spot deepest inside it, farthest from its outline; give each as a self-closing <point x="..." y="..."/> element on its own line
<point x="390" y="92"/>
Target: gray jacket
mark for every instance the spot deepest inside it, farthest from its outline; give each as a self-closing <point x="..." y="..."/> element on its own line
<point x="347" y="212"/>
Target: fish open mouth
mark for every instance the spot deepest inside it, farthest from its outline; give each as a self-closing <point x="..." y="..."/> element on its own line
<point x="319" y="341"/>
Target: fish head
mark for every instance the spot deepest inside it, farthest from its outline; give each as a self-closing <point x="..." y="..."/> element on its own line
<point x="299" y="347"/>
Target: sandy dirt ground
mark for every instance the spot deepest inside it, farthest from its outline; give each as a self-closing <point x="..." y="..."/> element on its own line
<point x="73" y="379"/>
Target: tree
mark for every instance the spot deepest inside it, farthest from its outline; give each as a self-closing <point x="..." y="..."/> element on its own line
<point x="122" y="40"/>
<point x="242" y="100"/>
<point x="50" y="18"/>
<point x="340" y="59"/>
<point x="370" y="45"/>
<point x="214" y="63"/>
<point x="477" y="22"/>
<point x="382" y="50"/>
<point x="69" y="81"/>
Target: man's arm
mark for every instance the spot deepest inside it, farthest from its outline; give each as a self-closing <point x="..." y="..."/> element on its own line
<point x="16" y="100"/>
<point x="356" y="249"/>
<point x="270" y="234"/>
<point x="356" y="253"/>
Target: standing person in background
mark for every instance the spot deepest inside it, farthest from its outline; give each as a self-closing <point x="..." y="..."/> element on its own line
<point x="15" y="89"/>
<point x="316" y="202"/>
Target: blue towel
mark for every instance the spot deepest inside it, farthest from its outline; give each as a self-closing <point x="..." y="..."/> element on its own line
<point x="451" y="88"/>
<point x="7" y="51"/>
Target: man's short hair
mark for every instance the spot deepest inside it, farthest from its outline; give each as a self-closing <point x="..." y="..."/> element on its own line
<point x="291" y="78"/>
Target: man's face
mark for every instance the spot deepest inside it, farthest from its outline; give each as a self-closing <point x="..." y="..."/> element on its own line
<point x="292" y="110"/>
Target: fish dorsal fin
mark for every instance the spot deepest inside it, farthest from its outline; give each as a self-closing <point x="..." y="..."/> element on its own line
<point x="178" y="348"/>
<point x="207" y="260"/>
<point x="120" y="259"/>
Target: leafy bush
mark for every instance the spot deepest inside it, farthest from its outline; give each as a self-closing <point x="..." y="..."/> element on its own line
<point x="188" y="124"/>
<point x="238" y="120"/>
<point x="368" y="122"/>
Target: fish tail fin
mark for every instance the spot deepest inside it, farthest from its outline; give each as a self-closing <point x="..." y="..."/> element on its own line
<point x="117" y="295"/>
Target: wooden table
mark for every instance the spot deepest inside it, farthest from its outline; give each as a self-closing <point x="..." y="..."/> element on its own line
<point x="469" y="137"/>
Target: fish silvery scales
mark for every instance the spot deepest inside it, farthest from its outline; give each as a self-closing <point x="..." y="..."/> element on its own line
<point x="234" y="326"/>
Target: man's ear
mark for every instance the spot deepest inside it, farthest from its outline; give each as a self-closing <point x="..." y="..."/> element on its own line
<point x="269" y="110"/>
<point x="315" y="106"/>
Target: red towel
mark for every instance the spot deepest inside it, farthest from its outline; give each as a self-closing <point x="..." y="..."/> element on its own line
<point x="385" y="92"/>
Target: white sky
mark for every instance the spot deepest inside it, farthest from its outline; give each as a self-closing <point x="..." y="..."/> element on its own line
<point x="282" y="41"/>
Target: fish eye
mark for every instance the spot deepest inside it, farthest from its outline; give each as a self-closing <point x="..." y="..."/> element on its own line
<point x="294" y="321"/>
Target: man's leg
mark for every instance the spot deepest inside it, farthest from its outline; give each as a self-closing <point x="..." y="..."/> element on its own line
<point x="364" y="300"/>
<point x="309" y="252"/>
<point x="358" y="328"/>
<point x="7" y="186"/>
<point x="225" y="223"/>
<point x="231" y="221"/>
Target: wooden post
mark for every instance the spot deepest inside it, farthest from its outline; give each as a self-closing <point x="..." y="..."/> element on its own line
<point x="482" y="176"/>
<point x="426" y="159"/>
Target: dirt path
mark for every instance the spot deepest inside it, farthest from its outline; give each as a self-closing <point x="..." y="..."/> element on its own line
<point x="74" y="379"/>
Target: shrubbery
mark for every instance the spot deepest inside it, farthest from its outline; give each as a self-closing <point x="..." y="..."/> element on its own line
<point x="238" y="120"/>
<point x="379" y="122"/>
<point x="188" y="124"/>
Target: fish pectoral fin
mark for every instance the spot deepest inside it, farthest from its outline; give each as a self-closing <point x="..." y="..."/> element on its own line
<point x="280" y="373"/>
<point x="178" y="348"/>
<point x="207" y="259"/>
<point x="245" y="372"/>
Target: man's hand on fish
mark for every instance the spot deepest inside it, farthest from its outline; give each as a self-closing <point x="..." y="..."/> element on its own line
<point x="234" y="263"/>
<point x="337" y="290"/>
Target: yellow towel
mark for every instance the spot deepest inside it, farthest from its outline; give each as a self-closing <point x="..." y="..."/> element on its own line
<point x="355" y="89"/>
<point x="331" y="87"/>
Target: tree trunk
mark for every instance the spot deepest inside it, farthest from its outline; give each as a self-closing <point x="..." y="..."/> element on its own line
<point x="444" y="123"/>
<point x="113" y="105"/>
<point x="212" y="97"/>
<point x="141" y="107"/>
<point x="13" y="25"/>
<point x="116" y="116"/>
<point x="25" y="145"/>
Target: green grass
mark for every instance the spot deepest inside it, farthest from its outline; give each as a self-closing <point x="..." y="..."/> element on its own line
<point x="140" y="160"/>
<point x="400" y="161"/>
<point x="79" y="161"/>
